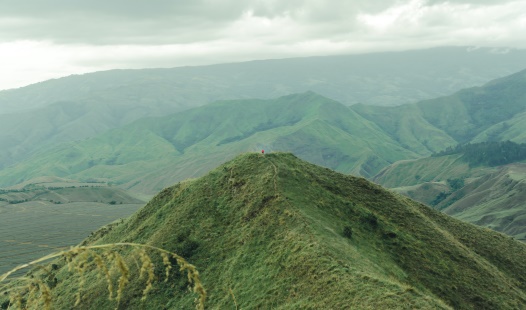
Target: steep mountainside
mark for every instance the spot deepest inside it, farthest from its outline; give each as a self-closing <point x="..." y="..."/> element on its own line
<point x="192" y="142"/>
<point x="497" y="200"/>
<point x="272" y="231"/>
<point x="467" y="183"/>
<point x="486" y="117"/>
<point x="492" y="112"/>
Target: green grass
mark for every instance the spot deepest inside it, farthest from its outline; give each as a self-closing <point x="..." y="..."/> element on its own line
<point x="425" y="192"/>
<point x="492" y="196"/>
<point x="496" y="200"/>
<point x="512" y="129"/>
<point x="430" y="169"/>
<point x="407" y="125"/>
<point x="274" y="231"/>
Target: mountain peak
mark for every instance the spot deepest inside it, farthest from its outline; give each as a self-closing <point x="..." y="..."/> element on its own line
<point x="274" y="230"/>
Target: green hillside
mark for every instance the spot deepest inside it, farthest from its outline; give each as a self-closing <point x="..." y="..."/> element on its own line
<point x="406" y="125"/>
<point x="429" y="193"/>
<point x="493" y="112"/>
<point x="513" y="129"/>
<point x="272" y="231"/>
<point x="469" y="112"/>
<point x="488" y="153"/>
<point x="23" y="133"/>
<point x="149" y="154"/>
<point x="429" y="169"/>
<point x="496" y="200"/>
<point x="461" y="161"/>
<point x="478" y="124"/>
<point x="466" y="182"/>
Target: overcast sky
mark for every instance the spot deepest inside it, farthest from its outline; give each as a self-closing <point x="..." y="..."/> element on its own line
<point x="40" y="39"/>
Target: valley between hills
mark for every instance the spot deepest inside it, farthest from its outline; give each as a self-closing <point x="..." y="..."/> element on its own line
<point x="440" y="227"/>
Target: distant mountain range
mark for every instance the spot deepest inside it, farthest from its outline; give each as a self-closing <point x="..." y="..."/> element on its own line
<point x="78" y="107"/>
<point x="359" y="139"/>
<point x="389" y="78"/>
<point x="149" y="154"/>
<point x="271" y="230"/>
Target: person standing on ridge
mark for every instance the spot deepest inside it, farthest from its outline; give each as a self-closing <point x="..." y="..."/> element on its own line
<point x="262" y="151"/>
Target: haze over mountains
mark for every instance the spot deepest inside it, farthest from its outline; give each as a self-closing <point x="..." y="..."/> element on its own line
<point x="359" y="139"/>
<point x="78" y="107"/>
<point x="397" y="77"/>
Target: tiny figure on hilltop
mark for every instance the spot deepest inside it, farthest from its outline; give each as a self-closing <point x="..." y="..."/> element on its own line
<point x="262" y="151"/>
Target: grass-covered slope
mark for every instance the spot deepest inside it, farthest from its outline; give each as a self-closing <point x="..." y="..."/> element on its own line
<point x="273" y="231"/>
<point x="465" y="183"/>
<point x="513" y="129"/>
<point x="428" y="169"/>
<point x="152" y="153"/>
<point x="23" y="133"/>
<point x="493" y="112"/>
<point x="406" y="125"/>
<point x="497" y="200"/>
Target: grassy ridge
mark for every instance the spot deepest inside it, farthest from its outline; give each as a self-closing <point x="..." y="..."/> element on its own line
<point x="408" y="126"/>
<point x="275" y="231"/>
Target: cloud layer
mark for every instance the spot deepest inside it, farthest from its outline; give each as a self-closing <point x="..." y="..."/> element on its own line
<point x="45" y="39"/>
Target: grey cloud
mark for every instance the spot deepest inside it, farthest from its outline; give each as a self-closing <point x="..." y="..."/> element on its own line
<point x="46" y="39"/>
<point x="162" y="21"/>
<point x="115" y="22"/>
<point x="472" y="2"/>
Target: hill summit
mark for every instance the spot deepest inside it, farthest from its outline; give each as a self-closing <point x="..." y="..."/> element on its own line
<point x="273" y="231"/>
